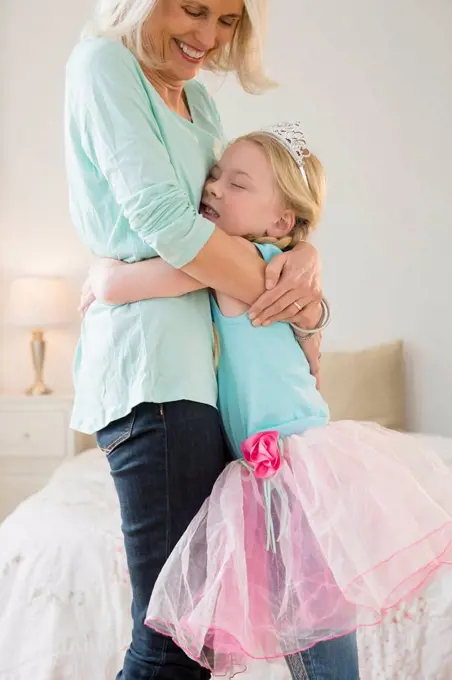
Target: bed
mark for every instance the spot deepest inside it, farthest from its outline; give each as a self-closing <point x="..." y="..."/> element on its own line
<point x="65" y="593"/>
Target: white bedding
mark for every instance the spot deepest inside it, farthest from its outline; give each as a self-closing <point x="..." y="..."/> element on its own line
<point x="65" y="595"/>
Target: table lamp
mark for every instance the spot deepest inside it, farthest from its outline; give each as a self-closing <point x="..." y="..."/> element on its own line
<point x="38" y="303"/>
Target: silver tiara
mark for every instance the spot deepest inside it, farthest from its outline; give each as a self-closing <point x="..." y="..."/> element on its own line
<point x="291" y="136"/>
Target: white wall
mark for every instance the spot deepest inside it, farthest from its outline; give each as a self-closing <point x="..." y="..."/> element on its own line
<point x="372" y="82"/>
<point x="36" y="232"/>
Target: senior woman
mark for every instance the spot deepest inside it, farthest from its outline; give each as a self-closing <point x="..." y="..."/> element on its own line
<point x="141" y="135"/>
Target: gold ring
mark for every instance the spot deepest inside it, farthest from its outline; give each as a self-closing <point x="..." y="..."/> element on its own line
<point x="299" y="307"/>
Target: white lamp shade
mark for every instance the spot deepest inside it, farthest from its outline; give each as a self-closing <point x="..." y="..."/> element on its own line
<point x="36" y="302"/>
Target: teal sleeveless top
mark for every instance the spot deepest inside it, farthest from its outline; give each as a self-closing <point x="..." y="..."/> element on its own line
<point x="264" y="382"/>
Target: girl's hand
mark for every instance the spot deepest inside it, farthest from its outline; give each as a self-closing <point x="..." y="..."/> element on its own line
<point x="87" y="298"/>
<point x="96" y="285"/>
<point x="311" y="348"/>
<point x="294" y="289"/>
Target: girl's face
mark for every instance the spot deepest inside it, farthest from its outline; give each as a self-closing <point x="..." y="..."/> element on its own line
<point x="241" y="196"/>
<point x="184" y="32"/>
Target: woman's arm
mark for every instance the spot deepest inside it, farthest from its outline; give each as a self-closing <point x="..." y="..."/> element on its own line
<point x="226" y="266"/>
<point x="122" y="139"/>
<point x="296" y="274"/>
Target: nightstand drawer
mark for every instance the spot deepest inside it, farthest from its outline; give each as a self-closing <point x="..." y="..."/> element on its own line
<point x="34" y="433"/>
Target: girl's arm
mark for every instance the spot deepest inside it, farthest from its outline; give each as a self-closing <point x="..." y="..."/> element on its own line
<point x="116" y="283"/>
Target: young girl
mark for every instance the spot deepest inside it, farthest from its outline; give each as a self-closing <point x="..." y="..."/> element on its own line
<point x="318" y="527"/>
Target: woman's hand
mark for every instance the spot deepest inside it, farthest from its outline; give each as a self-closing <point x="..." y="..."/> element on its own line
<point x="294" y="289"/>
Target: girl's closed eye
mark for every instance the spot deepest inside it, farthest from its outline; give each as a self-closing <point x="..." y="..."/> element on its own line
<point x="240" y="180"/>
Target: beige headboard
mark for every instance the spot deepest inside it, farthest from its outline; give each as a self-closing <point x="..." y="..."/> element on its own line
<point x="84" y="442"/>
<point x="366" y="385"/>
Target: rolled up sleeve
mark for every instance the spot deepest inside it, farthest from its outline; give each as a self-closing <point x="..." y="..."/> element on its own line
<point x="121" y="138"/>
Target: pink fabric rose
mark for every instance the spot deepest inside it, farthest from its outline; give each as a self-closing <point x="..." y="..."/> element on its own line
<point x="262" y="453"/>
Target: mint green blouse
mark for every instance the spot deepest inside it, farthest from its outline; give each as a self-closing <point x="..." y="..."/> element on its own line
<point x="135" y="172"/>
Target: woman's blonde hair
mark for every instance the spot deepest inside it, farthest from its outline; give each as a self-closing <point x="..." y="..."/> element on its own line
<point x="303" y="195"/>
<point x="124" y="20"/>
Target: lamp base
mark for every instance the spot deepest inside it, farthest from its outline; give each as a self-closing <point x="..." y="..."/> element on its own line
<point x="38" y="390"/>
<point x="38" y="348"/>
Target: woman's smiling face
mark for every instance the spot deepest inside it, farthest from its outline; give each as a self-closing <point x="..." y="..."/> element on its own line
<point x="183" y="34"/>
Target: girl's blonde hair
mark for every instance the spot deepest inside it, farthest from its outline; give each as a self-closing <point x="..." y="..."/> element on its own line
<point x="305" y="196"/>
<point x="124" y="20"/>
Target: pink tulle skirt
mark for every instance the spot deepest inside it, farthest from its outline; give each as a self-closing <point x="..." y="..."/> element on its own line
<point x="361" y="516"/>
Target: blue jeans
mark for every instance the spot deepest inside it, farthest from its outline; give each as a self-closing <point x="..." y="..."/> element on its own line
<point x="335" y="659"/>
<point x="164" y="460"/>
<point x="331" y="660"/>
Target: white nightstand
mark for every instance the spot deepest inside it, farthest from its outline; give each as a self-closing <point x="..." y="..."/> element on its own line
<point x="34" y="439"/>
